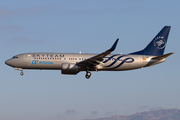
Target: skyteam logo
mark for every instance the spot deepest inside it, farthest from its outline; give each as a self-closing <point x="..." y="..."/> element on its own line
<point x="159" y="42"/>
<point x="36" y="62"/>
<point x="121" y="58"/>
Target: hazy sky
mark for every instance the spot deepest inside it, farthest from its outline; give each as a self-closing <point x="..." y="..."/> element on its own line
<point x="89" y="26"/>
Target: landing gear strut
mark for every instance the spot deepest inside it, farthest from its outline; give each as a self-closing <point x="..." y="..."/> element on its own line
<point x="20" y="69"/>
<point x="88" y="74"/>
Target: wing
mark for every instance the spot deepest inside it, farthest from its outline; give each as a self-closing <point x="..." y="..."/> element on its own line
<point x="95" y="60"/>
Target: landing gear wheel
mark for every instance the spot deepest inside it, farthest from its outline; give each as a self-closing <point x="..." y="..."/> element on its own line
<point x="21" y="73"/>
<point x="88" y="74"/>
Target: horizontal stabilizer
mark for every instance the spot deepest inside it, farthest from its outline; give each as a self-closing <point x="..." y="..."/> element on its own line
<point x="162" y="56"/>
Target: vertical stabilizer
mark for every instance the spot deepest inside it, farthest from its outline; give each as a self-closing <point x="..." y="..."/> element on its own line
<point x="157" y="46"/>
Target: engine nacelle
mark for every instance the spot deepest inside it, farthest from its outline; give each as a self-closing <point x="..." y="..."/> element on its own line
<point x="69" y="68"/>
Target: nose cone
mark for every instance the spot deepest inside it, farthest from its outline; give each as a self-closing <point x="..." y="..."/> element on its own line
<point x="8" y="62"/>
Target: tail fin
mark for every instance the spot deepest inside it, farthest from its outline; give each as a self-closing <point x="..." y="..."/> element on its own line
<point x="157" y="46"/>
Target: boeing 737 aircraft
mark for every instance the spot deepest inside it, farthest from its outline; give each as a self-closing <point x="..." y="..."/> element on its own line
<point x="71" y="63"/>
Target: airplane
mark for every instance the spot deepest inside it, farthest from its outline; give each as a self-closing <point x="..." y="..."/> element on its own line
<point x="73" y="63"/>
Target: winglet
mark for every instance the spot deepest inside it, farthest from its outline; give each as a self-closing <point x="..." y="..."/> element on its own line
<point x="114" y="45"/>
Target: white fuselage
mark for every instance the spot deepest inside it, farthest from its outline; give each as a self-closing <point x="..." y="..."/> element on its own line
<point x="72" y="64"/>
<point x="54" y="61"/>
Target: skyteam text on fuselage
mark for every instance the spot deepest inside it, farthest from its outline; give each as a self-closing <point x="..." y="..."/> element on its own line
<point x="71" y="63"/>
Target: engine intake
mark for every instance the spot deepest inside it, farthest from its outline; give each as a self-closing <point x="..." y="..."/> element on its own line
<point x="69" y="68"/>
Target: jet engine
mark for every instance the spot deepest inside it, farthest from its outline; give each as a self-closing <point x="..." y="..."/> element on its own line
<point x="69" y="68"/>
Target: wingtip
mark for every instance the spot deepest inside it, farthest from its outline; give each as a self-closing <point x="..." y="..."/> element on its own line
<point x="114" y="45"/>
<point x="170" y="53"/>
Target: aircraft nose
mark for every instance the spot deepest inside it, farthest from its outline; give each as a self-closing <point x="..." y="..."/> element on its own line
<point x="7" y="62"/>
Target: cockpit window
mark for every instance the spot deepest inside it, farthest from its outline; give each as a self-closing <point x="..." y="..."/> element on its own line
<point x="15" y="57"/>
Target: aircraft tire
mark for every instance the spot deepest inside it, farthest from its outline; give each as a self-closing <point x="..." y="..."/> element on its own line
<point x="21" y="73"/>
<point x="88" y="75"/>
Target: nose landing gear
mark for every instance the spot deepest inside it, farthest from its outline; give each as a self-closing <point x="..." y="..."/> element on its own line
<point x="21" y="73"/>
<point x="88" y="74"/>
<point x="20" y="70"/>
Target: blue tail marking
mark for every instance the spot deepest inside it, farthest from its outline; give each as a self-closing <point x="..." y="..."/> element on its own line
<point x="157" y="46"/>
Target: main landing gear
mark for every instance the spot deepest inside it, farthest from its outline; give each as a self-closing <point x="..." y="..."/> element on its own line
<point x="88" y="74"/>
